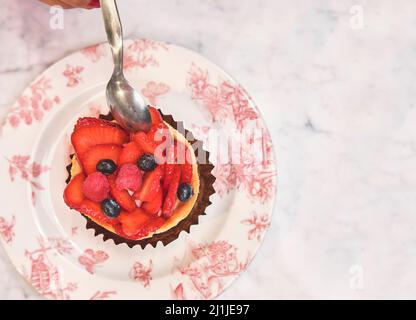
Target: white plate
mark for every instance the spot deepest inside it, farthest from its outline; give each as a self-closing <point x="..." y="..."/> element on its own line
<point x="49" y="244"/>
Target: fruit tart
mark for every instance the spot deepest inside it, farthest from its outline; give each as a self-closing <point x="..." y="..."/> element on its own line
<point x="137" y="188"/>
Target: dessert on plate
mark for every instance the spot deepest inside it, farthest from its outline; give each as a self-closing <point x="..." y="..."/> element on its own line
<point x="136" y="188"/>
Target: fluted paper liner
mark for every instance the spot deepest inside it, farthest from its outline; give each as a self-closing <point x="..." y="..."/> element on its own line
<point x="206" y="189"/>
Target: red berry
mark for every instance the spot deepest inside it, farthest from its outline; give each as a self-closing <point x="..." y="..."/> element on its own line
<point x="132" y="223"/>
<point x="93" y="210"/>
<point x="99" y="152"/>
<point x="96" y="187"/>
<point x="151" y="185"/>
<point x="122" y="197"/>
<point x="129" y="177"/>
<point x="147" y="145"/>
<point x="102" y="132"/>
<point x="155" y="115"/>
<point x="169" y="203"/>
<point x="73" y="194"/>
<point x="154" y="206"/>
<point x="130" y="153"/>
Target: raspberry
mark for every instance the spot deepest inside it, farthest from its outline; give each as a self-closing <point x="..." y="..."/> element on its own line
<point x="96" y="187"/>
<point x="129" y="177"/>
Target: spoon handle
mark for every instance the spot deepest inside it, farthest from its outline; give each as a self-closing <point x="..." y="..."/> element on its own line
<point x="114" y="32"/>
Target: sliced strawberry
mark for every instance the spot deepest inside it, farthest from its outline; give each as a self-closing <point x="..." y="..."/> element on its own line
<point x="158" y="133"/>
<point x="90" y="158"/>
<point x="150" y="186"/>
<point x="130" y="153"/>
<point x="155" y="115"/>
<point x="154" y="224"/>
<point x="90" y="121"/>
<point x="73" y="194"/>
<point x="169" y="203"/>
<point x="93" y="210"/>
<point x="154" y="206"/>
<point x="122" y="197"/>
<point x="86" y="137"/>
<point x="187" y="171"/>
<point x="147" y="145"/>
<point x="169" y="166"/>
<point x="132" y="223"/>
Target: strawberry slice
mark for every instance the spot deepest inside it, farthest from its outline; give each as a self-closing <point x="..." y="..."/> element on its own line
<point x="155" y="115"/>
<point x="154" y="224"/>
<point x="147" y="145"/>
<point x="122" y="197"/>
<point x="93" y="210"/>
<point x="158" y="133"/>
<point x="99" y="152"/>
<point x="93" y="122"/>
<point x="132" y="223"/>
<point x="169" y="203"/>
<point x="88" y="136"/>
<point x="150" y="186"/>
<point x="169" y="166"/>
<point x="130" y="153"/>
<point x="73" y="194"/>
<point x="187" y="171"/>
<point x="154" y="206"/>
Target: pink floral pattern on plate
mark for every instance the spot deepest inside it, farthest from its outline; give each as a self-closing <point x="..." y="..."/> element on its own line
<point x="92" y="258"/>
<point x="29" y="171"/>
<point x="223" y="101"/>
<point x="140" y="273"/>
<point x="101" y="295"/>
<point x="73" y="75"/>
<point x="32" y="106"/>
<point x="211" y="264"/>
<point x="139" y="53"/>
<point x="94" y="53"/>
<point x="154" y="90"/>
<point x="44" y="276"/>
<point x="7" y="229"/>
<point x="258" y="224"/>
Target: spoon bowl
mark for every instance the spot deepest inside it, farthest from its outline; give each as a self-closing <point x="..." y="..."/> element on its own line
<point x="127" y="106"/>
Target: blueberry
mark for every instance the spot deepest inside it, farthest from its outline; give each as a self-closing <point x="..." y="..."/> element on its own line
<point x="185" y="191"/>
<point x="147" y="162"/>
<point x="111" y="208"/>
<point x="106" y="166"/>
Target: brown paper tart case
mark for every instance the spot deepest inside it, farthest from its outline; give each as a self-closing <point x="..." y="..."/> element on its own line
<point x="206" y="189"/>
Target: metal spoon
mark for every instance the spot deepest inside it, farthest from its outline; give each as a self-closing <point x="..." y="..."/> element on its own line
<point x="128" y="107"/>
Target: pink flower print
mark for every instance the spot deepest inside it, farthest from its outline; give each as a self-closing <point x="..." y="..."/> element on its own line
<point x="211" y="264"/>
<point x="153" y="90"/>
<point x="224" y="101"/>
<point x="94" y="53"/>
<point x="91" y="258"/>
<point x="47" y="104"/>
<point x="7" y="229"/>
<point x="258" y="224"/>
<point x="14" y="121"/>
<point x="44" y="276"/>
<point x="27" y="108"/>
<point x="178" y="292"/>
<point x="20" y="164"/>
<point x="101" y="295"/>
<point x="141" y="273"/>
<point x="139" y="53"/>
<point x="72" y="73"/>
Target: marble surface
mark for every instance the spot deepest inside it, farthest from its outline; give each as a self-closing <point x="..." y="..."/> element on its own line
<point x="335" y="82"/>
